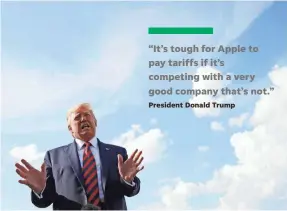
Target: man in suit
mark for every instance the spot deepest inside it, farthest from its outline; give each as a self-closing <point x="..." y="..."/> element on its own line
<point x="86" y="171"/>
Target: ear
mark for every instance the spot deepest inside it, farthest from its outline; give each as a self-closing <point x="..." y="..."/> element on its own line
<point x="69" y="128"/>
<point x="96" y="122"/>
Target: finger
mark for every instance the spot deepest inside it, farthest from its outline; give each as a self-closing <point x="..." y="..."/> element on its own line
<point x="133" y="154"/>
<point x="137" y="156"/>
<point x="28" y="165"/>
<point x="139" y="162"/>
<point x="120" y="160"/>
<point x="140" y="169"/>
<point x="137" y="171"/>
<point x="24" y="182"/>
<point x="21" y="174"/>
<point x="43" y="167"/>
<point x="21" y="168"/>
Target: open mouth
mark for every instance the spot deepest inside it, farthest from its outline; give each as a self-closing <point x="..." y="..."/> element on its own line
<point x="85" y="126"/>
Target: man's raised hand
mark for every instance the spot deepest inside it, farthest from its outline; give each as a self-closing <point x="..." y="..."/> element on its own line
<point x="129" y="168"/>
<point x="32" y="177"/>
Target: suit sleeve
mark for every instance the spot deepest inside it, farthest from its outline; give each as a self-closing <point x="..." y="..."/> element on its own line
<point x="130" y="190"/>
<point x="49" y="193"/>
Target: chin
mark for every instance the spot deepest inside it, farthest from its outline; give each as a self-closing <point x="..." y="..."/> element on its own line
<point x="88" y="133"/>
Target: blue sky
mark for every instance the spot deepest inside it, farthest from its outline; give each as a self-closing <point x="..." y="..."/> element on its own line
<point x="55" y="55"/>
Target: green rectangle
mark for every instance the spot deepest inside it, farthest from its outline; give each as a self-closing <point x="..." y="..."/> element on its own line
<point x="180" y="30"/>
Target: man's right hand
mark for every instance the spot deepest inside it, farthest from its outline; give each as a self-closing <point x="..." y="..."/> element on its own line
<point x="32" y="177"/>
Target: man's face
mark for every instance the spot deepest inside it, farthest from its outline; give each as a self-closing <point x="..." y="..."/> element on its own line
<point x="83" y="124"/>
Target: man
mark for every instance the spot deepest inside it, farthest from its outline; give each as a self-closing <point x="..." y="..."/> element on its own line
<point x="86" y="171"/>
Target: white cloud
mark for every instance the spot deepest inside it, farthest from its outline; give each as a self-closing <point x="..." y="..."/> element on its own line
<point x="153" y="142"/>
<point x="29" y="92"/>
<point x="261" y="168"/>
<point x="216" y="126"/>
<point x="37" y="91"/>
<point x="239" y="21"/>
<point x="238" y="121"/>
<point x="174" y="196"/>
<point x="29" y="153"/>
<point x="209" y="84"/>
<point x="43" y="92"/>
<point x="203" y="148"/>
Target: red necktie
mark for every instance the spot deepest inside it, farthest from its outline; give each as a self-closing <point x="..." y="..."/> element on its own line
<point x="90" y="176"/>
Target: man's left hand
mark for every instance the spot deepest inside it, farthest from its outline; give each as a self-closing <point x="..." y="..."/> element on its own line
<point x="128" y="169"/>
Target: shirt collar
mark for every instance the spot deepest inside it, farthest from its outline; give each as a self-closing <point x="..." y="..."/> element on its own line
<point x="80" y="143"/>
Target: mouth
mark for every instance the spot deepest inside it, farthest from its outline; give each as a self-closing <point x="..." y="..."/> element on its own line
<point x="85" y="126"/>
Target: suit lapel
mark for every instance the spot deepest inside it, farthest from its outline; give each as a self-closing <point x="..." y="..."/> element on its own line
<point x="75" y="162"/>
<point x="105" y="159"/>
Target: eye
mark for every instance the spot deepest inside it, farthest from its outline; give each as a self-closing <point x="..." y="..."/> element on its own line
<point x="77" y="117"/>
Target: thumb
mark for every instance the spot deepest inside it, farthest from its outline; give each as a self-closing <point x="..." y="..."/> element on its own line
<point x="120" y="160"/>
<point x="43" y="168"/>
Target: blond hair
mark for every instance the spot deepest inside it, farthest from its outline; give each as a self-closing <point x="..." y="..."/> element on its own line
<point x="72" y="110"/>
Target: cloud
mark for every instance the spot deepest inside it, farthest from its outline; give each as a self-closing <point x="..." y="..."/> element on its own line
<point x="29" y="92"/>
<point x="209" y="84"/>
<point x="241" y="21"/>
<point x="174" y="196"/>
<point x="42" y="92"/>
<point x="238" y="121"/>
<point x="153" y="142"/>
<point x="216" y="126"/>
<point x="29" y="153"/>
<point x="45" y="92"/>
<point x="203" y="148"/>
<point x="260" y="171"/>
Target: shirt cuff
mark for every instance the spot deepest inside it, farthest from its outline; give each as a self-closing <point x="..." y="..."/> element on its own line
<point x="40" y="195"/>
<point x="130" y="184"/>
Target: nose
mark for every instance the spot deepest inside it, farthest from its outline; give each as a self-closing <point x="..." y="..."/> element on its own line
<point x="83" y="118"/>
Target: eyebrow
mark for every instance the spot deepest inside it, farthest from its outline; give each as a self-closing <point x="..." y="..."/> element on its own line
<point x="79" y="113"/>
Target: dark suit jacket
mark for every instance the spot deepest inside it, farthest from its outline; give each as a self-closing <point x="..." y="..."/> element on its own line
<point x="64" y="185"/>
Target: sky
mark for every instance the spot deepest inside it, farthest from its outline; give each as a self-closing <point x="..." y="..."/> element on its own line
<point x="56" y="55"/>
